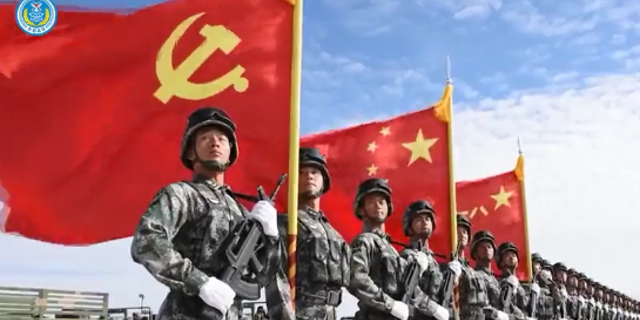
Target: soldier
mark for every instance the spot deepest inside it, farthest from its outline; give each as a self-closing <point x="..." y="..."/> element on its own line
<point x="549" y="293"/>
<point x="598" y="296"/>
<point x="536" y="259"/>
<point x="322" y="254"/>
<point x="179" y="238"/>
<point x="591" y="302"/>
<point x="513" y="297"/>
<point x="377" y="270"/>
<point x="419" y="223"/>
<point x="479" y="290"/>
<point x="560" y="280"/>
<point x="572" y="290"/>
<point x="464" y="235"/>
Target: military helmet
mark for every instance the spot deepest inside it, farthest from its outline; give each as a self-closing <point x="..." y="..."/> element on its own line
<point x="572" y="273"/>
<point x="480" y="236"/>
<point x="559" y="266"/>
<point x="462" y="221"/>
<point x="413" y="210"/>
<point x="581" y="277"/>
<point x="535" y="257"/>
<point x="369" y="186"/>
<point x="546" y="265"/>
<point x="209" y="117"/>
<point x="504" y="248"/>
<point x="312" y="157"/>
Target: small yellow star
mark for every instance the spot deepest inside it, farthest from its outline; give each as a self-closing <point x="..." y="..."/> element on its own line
<point x="372" y="170"/>
<point x="502" y="198"/>
<point x="385" y="131"/>
<point x="420" y="148"/>
<point x="372" y="147"/>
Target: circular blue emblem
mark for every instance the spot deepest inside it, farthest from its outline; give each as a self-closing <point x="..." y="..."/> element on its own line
<point x="36" y="17"/>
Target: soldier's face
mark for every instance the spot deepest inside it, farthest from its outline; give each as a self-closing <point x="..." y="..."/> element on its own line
<point x="598" y="293"/>
<point x="375" y="207"/>
<point x="572" y="281"/>
<point x="310" y="182"/>
<point x="582" y="284"/>
<point x="560" y="276"/>
<point x="536" y="267"/>
<point x="211" y="144"/>
<point x="422" y="225"/>
<point x="463" y="236"/>
<point x="485" y="250"/>
<point x="509" y="259"/>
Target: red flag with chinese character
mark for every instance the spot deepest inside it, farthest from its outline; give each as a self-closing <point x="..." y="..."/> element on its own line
<point x="496" y="204"/>
<point x="410" y="151"/>
<point x="89" y="133"/>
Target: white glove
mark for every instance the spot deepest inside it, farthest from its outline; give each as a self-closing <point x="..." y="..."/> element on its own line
<point x="422" y="261"/>
<point x="455" y="267"/>
<point x="217" y="294"/>
<point x="441" y="313"/>
<point x="265" y="213"/>
<point x="529" y="318"/>
<point x="564" y="292"/>
<point x="581" y="299"/>
<point x="513" y="280"/>
<point x="545" y="275"/>
<point x="502" y="315"/>
<point x="400" y="310"/>
<point x="535" y="288"/>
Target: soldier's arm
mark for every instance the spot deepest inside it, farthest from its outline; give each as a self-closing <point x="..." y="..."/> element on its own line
<point x="278" y="294"/>
<point x="361" y="285"/>
<point x="152" y="244"/>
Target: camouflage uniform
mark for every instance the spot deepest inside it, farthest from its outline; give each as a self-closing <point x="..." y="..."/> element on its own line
<point x="560" y="293"/>
<point x="431" y="278"/>
<point x="479" y="290"/>
<point x="513" y="298"/>
<point x="600" y="311"/>
<point x="590" y="301"/>
<point x="180" y="237"/>
<point x="377" y="270"/>
<point x="322" y="257"/>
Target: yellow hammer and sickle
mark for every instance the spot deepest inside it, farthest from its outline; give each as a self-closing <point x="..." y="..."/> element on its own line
<point x="175" y="82"/>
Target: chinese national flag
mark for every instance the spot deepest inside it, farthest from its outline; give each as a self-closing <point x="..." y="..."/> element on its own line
<point x="496" y="204"/>
<point x="90" y="132"/>
<point x="410" y="151"/>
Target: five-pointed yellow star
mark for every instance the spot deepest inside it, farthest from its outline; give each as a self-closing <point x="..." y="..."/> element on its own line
<point x="385" y="131"/>
<point x="502" y="198"/>
<point x="420" y="148"/>
<point x="372" y="169"/>
<point x="372" y="147"/>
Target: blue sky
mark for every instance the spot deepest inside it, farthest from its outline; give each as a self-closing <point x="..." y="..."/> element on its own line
<point x="563" y="76"/>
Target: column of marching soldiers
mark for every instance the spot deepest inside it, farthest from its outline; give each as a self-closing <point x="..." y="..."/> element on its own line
<point x="180" y="241"/>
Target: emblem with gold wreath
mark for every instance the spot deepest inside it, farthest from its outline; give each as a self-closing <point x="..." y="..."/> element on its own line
<point x="36" y="17"/>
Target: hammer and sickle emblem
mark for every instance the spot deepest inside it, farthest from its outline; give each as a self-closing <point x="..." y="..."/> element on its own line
<point x="175" y="82"/>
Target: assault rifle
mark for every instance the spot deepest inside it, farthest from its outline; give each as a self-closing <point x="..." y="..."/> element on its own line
<point x="533" y="301"/>
<point x="242" y="252"/>
<point x="412" y="280"/>
<point x="506" y="294"/>
<point x="445" y="295"/>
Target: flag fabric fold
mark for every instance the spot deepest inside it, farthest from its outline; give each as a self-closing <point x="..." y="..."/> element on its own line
<point x="495" y="204"/>
<point x="90" y="131"/>
<point x="410" y="151"/>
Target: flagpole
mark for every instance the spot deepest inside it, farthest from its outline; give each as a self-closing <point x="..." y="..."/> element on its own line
<point x="519" y="171"/>
<point x="452" y="180"/>
<point x="294" y="145"/>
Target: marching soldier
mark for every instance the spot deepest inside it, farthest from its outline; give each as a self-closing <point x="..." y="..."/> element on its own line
<point x="591" y="302"/>
<point x="560" y="280"/>
<point x="179" y="238"/>
<point x="479" y="290"/>
<point x="419" y="223"/>
<point x="322" y="254"/>
<point x="377" y="270"/>
<point x="572" y="290"/>
<point x="464" y="235"/>
<point x="583" y="300"/>
<point x="536" y="261"/>
<point x="598" y="296"/>
<point x="513" y="297"/>
<point x="547" y="300"/>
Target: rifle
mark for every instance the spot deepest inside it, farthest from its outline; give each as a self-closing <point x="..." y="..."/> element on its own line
<point x="445" y="295"/>
<point x="506" y="294"/>
<point x="533" y="300"/>
<point x="412" y="280"/>
<point x="242" y="254"/>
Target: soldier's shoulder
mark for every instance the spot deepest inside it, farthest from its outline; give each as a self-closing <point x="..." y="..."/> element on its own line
<point x="364" y="239"/>
<point x="179" y="188"/>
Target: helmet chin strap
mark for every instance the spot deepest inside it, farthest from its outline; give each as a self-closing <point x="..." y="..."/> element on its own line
<point x="212" y="165"/>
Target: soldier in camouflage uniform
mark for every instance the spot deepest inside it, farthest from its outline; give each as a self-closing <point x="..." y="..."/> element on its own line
<point x="583" y="299"/>
<point x="180" y="237"/>
<point x="598" y="295"/>
<point x="464" y="236"/>
<point x="591" y="302"/>
<point x="418" y="223"/>
<point x="615" y="311"/>
<point x="377" y="270"/>
<point x="479" y="289"/>
<point x="322" y="254"/>
<point x="513" y="297"/>
<point x="572" y="290"/>
<point x="548" y="292"/>
<point x="560" y="280"/>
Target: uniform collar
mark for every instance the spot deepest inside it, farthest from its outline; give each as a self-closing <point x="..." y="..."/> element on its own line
<point x="315" y="214"/>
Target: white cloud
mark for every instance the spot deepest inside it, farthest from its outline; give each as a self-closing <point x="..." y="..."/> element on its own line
<point x="582" y="152"/>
